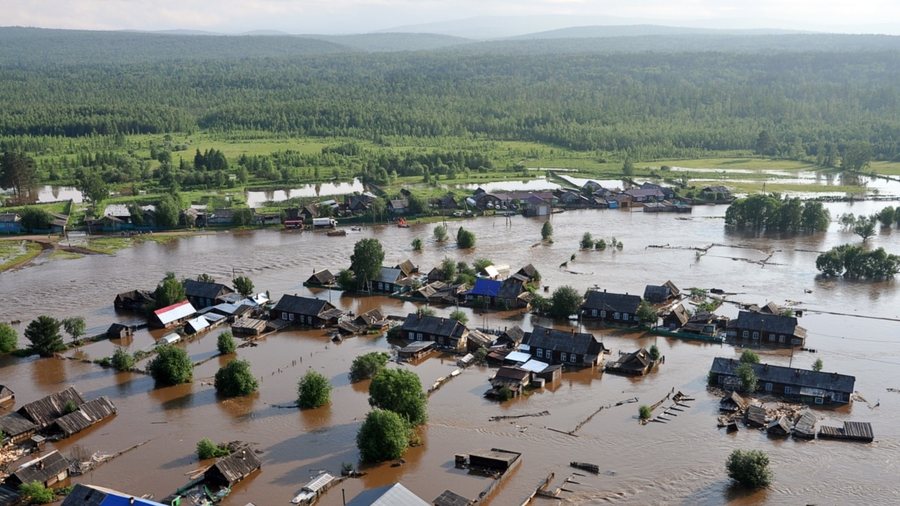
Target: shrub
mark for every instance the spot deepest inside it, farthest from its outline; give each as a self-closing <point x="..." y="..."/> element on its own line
<point x="399" y="391"/>
<point x="235" y="379"/>
<point x="225" y="343"/>
<point x="546" y="231"/>
<point x="440" y="233"/>
<point x="243" y="285"/>
<point x="564" y="302"/>
<point x="645" y="412"/>
<point x="587" y="242"/>
<point x="313" y="391"/>
<point x="417" y="244"/>
<point x="654" y="352"/>
<point x="207" y="449"/>
<point x="459" y="316"/>
<point x="384" y="435"/>
<point x="748" y="378"/>
<point x="465" y="239"/>
<point x="171" y="366"/>
<point x="368" y="365"/>
<point x="122" y="360"/>
<point x="749" y="357"/>
<point x="481" y="355"/>
<point x="646" y="313"/>
<point x="817" y="365"/>
<point x="750" y="468"/>
<point x="36" y="493"/>
<point x="9" y="341"/>
<point x="70" y="407"/>
<point x="44" y="335"/>
<point x="74" y="326"/>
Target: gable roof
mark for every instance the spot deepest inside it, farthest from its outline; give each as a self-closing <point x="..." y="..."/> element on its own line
<point x="234" y="467"/>
<point x="486" y="287"/>
<point x="323" y="277"/>
<point x="391" y="495"/>
<point x="86" y="415"/>
<point x="203" y="289"/>
<point x="657" y="292"/>
<point x="788" y="375"/>
<point x="529" y="271"/>
<point x="511" y="373"/>
<point x="638" y="359"/>
<point x="91" y="495"/>
<point x="44" y="411"/>
<point x="302" y="305"/>
<point x="511" y="288"/>
<point x="770" y="323"/>
<point x="41" y="469"/>
<point x="433" y="325"/>
<point x="407" y="267"/>
<point x="680" y="313"/>
<point x="175" y="312"/>
<point x="580" y="343"/>
<point x="389" y="275"/>
<point x="15" y="424"/>
<point x="117" y="210"/>
<point x="608" y="301"/>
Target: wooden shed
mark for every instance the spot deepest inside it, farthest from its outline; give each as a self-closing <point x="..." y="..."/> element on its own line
<point x="6" y="394"/>
<point x="47" y="470"/>
<point x="233" y="468"/>
<point x="45" y="411"/>
<point x="88" y="414"/>
<point x="17" y="428"/>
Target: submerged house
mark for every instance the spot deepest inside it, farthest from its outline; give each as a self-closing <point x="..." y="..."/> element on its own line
<point x="10" y="223"/>
<point x="485" y="292"/>
<point x="511" y="378"/>
<point x="767" y="329"/>
<point x="45" y="411"/>
<point x="86" y="415"/>
<point x="134" y="300"/>
<point x="676" y="318"/>
<point x="16" y="428"/>
<point x="390" y="280"/>
<point x="802" y="385"/>
<point x="575" y="349"/>
<point x="660" y="294"/>
<point x="305" y="311"/>
<point x="173" y="315"/>
<point x="204" y="294"/>
<point x="390" y="495"/>
<point x="636" y="363"/>
<point x="611" y="307"/>
<point x="321" y="278"/>
<point x="446" y="332"/>
<point x="47" y="470"/>
<point x="92" y="495"/>
<point x="231" y="469"/>
<point x="6" y="394"/>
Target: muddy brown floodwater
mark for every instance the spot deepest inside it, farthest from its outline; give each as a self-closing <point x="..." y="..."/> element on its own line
<point x="678" y="462"/>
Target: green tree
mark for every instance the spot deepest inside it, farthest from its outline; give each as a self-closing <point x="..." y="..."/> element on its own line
<point x="368" y="365"/>
<point x="368" y="255"/>
<point x="628" y="167"/>
<point x="208" y="449"/>
<point x="243" y="217"/>
<point x="206" y="278"/>
<point x="856" y="156"/>
<point x="417" y="244"/>
<point x="897" y="215"/>
<point x="9" y="340"/>
<point x="346" y="280"/>
<point x="235" y="379"/>
<point x="480" y="264"/>
<point x="747" y="378"/>
<point x="35" y="218"/>
<point x="225" y="343"/>
<point x="168" y="212"/>
<point x="243" y="286"/>
<point x="886" y="216"/>
<point x="547" y="231"/>
<point x="448" y="269"/>
<point x="43" y="332"/>
<point x="765" y="145"/>
<point x="94" y="188"/>
<point x="565" y="301"/>
<point x="654" y="352"/>
<point x="750" y="468"/>
<point x="384" y="435"/>
<point x="817" y="365"/>
<point x="749" y="357"/>
<point x="440" y="233"/>
<point x="313" y="391"/>
<point x="646" y="313"/>
<point x="855" y="262"/>
<point x="18" y="172"/>
<point x="587" y="242"/>
<point x="465" y="239"/>
<point x="459" y="316"/>
<point x="171" y="366"/>
<point x="399" y="391"/>
<point x="74" y="326"/>
<point x="169" y="291"/>
<point x="600" y="245"/>
<point x="865" y="227"/>
<point x="644" y="412"/>
<point x="122" y="360"/>
<point x="815" y="217"/>
<point x="36" y="492"/>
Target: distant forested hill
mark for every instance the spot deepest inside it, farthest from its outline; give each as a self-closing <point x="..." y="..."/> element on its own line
<point x="700" y="93"/>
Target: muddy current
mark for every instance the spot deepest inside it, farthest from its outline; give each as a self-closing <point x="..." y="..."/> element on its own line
<point x="679" y="462"/>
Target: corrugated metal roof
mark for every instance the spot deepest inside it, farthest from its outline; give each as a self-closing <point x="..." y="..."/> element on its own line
<point x="175" y="312"/>
<point x="391" y="495"/>
<point x="197" y="324"/>
<point x="534" y="366"/>
<point x="518" y="356"/>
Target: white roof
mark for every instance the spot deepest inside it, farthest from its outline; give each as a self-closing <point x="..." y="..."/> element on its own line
<point x="491" y="271"/>
<point x="525" y="347"/>
<point x="518" y="356"/>
<point x="318" y="483"/>
<point x="174" y="312"/>
<point x="169" y="339"/>
<point x="214" y="317"/>
<point x="199" y="323"/>
<point x="117" y="210"/>
<point x="534" y="366"/>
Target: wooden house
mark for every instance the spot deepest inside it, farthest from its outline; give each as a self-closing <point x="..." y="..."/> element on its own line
<point x="660" y="294"/>
<point x="676" y="318"/>
<point x="636" y="363"/>
<point x="88" y="414"/>
<point x="16" y="428"/>
<point x="611" y="307"/>
<point x="446" y="332"/>
<point x="6" y="394"/>
<point x="537" y="206"/>
<point x="389" y="495"/>
<point x="495" y="459"/>
<point x="801" y="385"/>
<point x="390" y="280"/>
<point x="511" y="337"/>
<point x="766" y="329"/>
<point x="220" y="217"/>
<point x="304" y="311"/>
<point x="478" y="339"/>
<point x="716" y="194"/>
<point x="119" y="331"/>
<point x="512" y="378"/>
<point x="10" y="223"/>
<point x="204" y="294"/>
<point x="484" y="293"/>
<point x="92" y="495"/>
<point x="398" y="206"/>
<point x="705" y="323"/>
<point x="47" y="470"/>
<point x="511" y="291"/>
<point x="231" y="469"/>
<point x="574" y="349"/>
<point x="416" y="350"/>
<point x="46" y="410"/>
<point x="407" y="268"/>
<point x="9" y="496"/>
<point x="321" y="278"/>
<point x="171" y="316"/>
<point x="134" y="300"/>
<point x="451" y="498"/>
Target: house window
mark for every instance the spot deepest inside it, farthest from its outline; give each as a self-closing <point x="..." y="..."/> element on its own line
<point x="284" y="316"/>
<point x="781" y="338"/>
<point x="768" y="387"/>
<point x="745" y="334"/>
<point x="573" y="358"/>
<point x="602" y="314"/>
<point x="625" y="316"/>
<point x="563" y="356"/>
<point x="593" y="312"/>
<point x="819" y="400"/>
<point x="419" y="336"/>
<point x="788" y="391"/>
<point x="540" y="353"/>
<point x="616" y="315"/>
<point x="755" y="334"/>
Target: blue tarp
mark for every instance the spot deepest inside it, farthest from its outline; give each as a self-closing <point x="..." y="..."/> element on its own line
<point x="486" y="288"/>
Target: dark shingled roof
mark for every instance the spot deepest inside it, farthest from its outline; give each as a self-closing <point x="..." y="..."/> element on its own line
<point x="44" y="411"/>
<point x="511" y="288"/>
<point x="608" y="301"/>
<point x="14" y="424"/>
<point x="321" y="278"/>
<point x="788" y="375"/>
<point x="511" y="373"/>
<point x="528" y="271"/>
<point x="41" y="469"/>
<point x="87" y="414"/>
<point x="580" y="343"/>
<point x="9" y="496"/>
<point x="768" y="323"/>
<point x="302" y="305"/>
<point x="407" y="267"/>
<point x="450" y="498"/>
<point x="433" y="325"/>
<point x="194" y="288"/>
<point x="389" y="275"/>
<point x="634" y="361"/>
<point x="234" y="468"/>
<point x="680" y="313"/>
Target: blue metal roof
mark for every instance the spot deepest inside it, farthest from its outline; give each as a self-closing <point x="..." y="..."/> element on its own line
<point x="486" y="288"/>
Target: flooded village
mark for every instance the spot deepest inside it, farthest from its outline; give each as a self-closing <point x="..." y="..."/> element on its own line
<point x="522" y="407"/>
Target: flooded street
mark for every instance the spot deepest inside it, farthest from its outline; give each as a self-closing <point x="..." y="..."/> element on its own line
<point x="681" y="461"/>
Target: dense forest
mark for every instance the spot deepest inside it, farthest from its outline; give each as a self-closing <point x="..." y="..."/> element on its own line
<point x="646" y="102"/>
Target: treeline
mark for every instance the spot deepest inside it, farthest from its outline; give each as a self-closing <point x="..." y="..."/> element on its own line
<point x="855" y="262"/>
<point x="650" y="105"/>
<point x="771" y="213"/>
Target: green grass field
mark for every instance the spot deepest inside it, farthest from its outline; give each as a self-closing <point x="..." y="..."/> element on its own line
<point x="15" y="253"/>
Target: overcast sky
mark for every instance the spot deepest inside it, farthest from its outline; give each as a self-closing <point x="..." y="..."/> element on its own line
<point x="356" y="16"/>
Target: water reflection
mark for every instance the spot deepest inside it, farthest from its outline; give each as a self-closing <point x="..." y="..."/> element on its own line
<point x="257" y="198"/>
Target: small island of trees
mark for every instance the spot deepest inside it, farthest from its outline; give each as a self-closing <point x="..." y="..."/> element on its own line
<point x="772" y="213"/>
